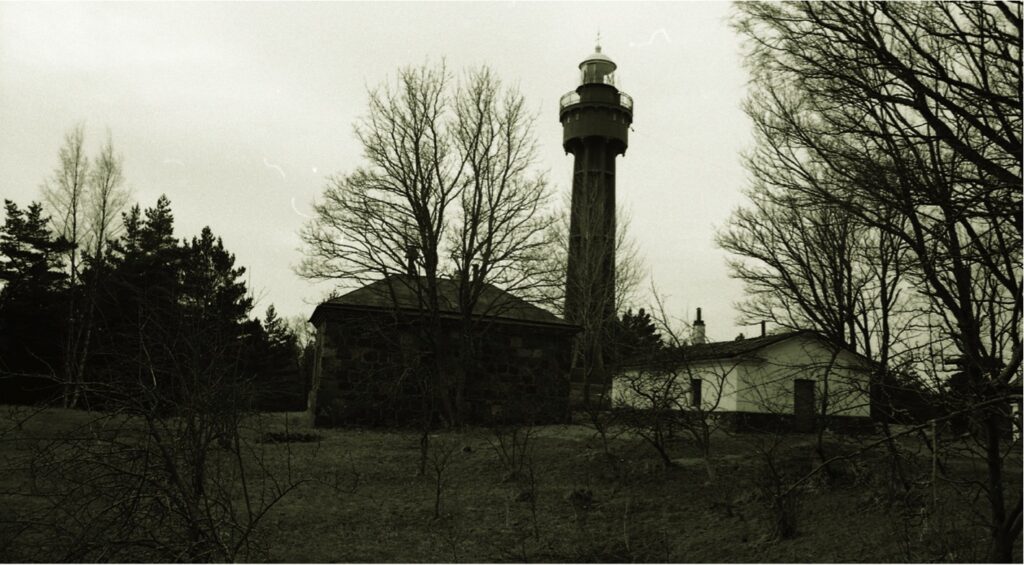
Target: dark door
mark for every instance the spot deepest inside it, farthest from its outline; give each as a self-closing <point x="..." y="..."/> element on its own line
<point x="803" y="404"/>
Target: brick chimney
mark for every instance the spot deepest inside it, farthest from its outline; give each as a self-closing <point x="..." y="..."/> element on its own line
<point x="411" y="254"/>
<point x="698" y="336"/>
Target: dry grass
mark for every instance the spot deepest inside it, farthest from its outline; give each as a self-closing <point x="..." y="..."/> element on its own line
<point x="364" y="502"/>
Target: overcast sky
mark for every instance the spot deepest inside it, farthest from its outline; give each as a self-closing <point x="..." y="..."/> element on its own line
<point x="238" y="111"/>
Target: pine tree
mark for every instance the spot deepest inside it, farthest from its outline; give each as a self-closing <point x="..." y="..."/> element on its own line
<point x="140" y="325"/>
<point x="280" y="337"/>
<point x="30" y="256"/>
<point x="277" y="371"/>
<point x="176" y="319"/>
<point x="212" y="289"/>
<point x="215" y="304"/>
<point x="637" y="337"/>
<point x="31" y="299"/>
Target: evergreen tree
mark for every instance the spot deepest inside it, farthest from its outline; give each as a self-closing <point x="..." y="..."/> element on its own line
<point x="30" y="304"/>
<point x="30" y="257"/>
<point x="279" y="336"/>
<point x="212" y="289"/>
<point x="146" y="260"/>
<point x="172" y="317"/>
<point x="214" y="305"/>
<point x="140" y="328"/>
<point x="636" y="337"/>
<point x="278" y="376"/>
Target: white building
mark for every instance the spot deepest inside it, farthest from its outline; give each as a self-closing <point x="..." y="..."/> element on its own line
<point x="795" y="374"/>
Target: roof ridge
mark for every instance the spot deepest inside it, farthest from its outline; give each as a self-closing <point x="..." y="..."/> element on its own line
<point x="758" y="338"/>
<point x="735" y="348"/>
<point x="401" y="291"/>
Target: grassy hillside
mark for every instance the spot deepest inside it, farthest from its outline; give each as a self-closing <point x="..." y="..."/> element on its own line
<point x="360" y="499"/>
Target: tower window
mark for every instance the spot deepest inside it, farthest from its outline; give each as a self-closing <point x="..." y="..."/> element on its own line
<point x="599" y="72"/>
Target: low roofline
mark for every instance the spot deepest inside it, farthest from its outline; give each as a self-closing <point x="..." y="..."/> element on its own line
<point x="677" y="361"/>
<point x="746" y="355"/>
<point x="318" y="313"/>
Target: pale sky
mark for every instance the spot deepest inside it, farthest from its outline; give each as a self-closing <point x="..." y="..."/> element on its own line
<point x="238" y="112"/>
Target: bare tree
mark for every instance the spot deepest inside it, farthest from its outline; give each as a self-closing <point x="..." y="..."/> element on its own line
<point x="597" y="336"/>
<point x="86" y="200"/>
<point x="440" y="466"/>
<point x="511" y="443"/>
<point x="172" y="470"/>
<point x="812" y="266"/>
<point x="305" y="333"/>
<point x="630" y="271"/>
<point x="907" y="117"/>
<point x="448" y="192"/>
<point x="106" y="199"/>
<point x="630" y="267"/>
<point x="66" y="192"/>
<point x="809" y="265"/>
<point x="668" y="396"/>
<point x="669" y="391"/>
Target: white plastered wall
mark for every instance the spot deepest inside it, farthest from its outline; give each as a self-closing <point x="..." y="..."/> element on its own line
<point x="763" y="383"/>
<point x="768" y="385"/>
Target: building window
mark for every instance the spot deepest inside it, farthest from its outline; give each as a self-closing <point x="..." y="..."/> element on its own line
<point x="695" y="386"/>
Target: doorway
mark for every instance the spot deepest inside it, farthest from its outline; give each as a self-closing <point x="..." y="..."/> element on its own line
<point x="803" y="404"/>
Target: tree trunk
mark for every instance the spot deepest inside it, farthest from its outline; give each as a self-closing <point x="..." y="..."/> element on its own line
<point x="1002" y="543"/>
<point x="424" y="450"/>
<point x="894" y="455"/>
<point x="708" y="465"/>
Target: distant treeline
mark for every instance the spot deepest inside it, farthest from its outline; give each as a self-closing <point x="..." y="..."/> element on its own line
<point x="143" y="312"/>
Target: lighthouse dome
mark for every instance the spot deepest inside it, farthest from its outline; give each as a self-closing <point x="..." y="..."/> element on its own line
<point x="598" y="57"/>
<point x="598" y="68"/>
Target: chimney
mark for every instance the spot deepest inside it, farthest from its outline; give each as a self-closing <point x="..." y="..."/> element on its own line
<point x="762" y="328"/>
<point x="698" y="335"/>
<point x="411" y="254"/>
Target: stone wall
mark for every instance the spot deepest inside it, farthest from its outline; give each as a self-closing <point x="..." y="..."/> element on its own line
<point x="520" y="373"/>
<point x="373" y="368"/>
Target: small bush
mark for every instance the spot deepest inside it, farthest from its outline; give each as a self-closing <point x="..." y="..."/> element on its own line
<point x="513" y="447"/>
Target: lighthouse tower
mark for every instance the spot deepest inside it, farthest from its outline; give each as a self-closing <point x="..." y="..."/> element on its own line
<point x="595" y="124"/>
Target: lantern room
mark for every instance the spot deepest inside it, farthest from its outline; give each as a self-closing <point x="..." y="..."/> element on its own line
<point x="598" y="68"/>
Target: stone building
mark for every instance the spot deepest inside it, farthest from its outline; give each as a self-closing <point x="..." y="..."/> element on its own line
<point x="372" y="358"/>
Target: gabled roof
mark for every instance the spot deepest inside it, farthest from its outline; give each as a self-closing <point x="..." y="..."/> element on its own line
<point x="737" y="348"/>
<point x="400" y="292"/>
